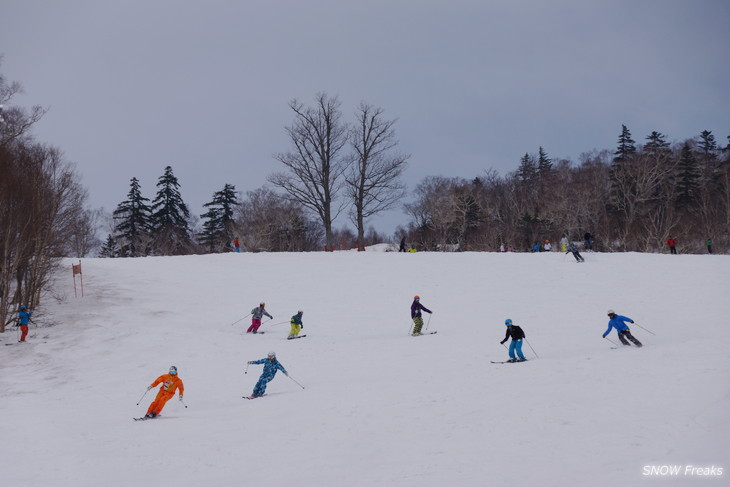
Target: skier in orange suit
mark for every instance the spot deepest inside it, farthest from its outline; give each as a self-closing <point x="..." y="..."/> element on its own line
<point x="170" y="382"/>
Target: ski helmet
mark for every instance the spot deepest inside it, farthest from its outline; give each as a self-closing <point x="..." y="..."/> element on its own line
<point x="508" y="321"/>
<point x="271" y="355"/>
<point x="173" y="370"/>
<point x="416" y="298"/>
<point x="611" y="312"/>
<point x="22" y="306"/>
<point x="300" y="312"/>
<point x="262" y="304"/>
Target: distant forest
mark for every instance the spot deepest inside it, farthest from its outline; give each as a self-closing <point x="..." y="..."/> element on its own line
<point x="629" y="198"/>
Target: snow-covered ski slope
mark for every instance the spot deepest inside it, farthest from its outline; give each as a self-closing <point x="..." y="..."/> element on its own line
<point x="379" y="408"/>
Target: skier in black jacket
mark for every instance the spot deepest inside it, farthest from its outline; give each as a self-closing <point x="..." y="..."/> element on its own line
<point x="515" y="345"/>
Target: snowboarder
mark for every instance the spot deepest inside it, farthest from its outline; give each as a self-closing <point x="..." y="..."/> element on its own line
<point x="170" y="382"/>
<point x="619" y="322"/>
<point x="296" y="324"/>
<point x="256" y="315"/>
<point x="416" y="308"/>
<point x="23" y="319"/>
<point x="271" y="365"/>
<point x="672" y="242"/>
<point x="516" y="333"/>
<point x="576" y="254"/>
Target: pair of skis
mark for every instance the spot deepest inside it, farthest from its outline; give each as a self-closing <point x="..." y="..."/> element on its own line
<point x="427" y="333"/>
<point x="509" y="361"/>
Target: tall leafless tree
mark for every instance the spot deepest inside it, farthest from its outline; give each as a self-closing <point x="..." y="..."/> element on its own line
<point x="373" y="181"/>
<point x="316" y="162"/>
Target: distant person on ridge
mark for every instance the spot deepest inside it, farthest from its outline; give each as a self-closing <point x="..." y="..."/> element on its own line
<point x="170" y="382"/>
<point x="619" y="322"/>
<point x="416" y="308"/>
<point x="588" y="241"/>
<point x="672" y="242"/>
<point x="296" y="324"/>
<point x="23" y="319"/>
<point x="402" y="247"/>
<point x="256" y="314"/>
<point x="516" y="333"/>
<point x="271" y="365"/>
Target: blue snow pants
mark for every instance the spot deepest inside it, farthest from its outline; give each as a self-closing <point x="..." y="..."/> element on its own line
<point x="516" y="345"/>
<point x="260" y="387"/>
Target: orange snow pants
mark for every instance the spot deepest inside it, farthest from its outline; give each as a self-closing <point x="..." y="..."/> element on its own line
<point x="159" y="402"/>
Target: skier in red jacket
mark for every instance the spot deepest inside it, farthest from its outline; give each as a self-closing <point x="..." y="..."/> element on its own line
<point x="672" y="242"/>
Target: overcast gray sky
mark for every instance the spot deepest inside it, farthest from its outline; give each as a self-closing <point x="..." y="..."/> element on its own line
<point x="136" y="85"/>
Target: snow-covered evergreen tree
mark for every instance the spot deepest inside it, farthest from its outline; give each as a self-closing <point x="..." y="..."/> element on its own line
<point x="170" y="217"/>
<point x="133" y="222"/>
<point x="217" y="231"/>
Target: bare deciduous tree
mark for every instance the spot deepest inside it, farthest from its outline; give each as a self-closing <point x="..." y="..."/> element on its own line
<point x="373" y="181"/>
<point x="316" y="164"/>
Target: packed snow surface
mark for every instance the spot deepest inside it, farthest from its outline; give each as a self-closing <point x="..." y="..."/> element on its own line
<point x="378" y="407"/>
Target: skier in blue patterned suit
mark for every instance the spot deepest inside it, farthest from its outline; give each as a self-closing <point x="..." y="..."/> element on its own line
<point x="271" y="365"/>
<point x="619" y="322"/>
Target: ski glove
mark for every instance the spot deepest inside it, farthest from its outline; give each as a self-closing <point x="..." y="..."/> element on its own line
<point x="631" y="321"/>
<point x="181" y="397"/>
<point x="149" y="387"/>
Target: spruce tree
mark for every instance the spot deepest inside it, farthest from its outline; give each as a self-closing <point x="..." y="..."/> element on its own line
<point x="626" y="148"/>
<point x="657" y="145"/>
<point x="133" y="227"/>
<point x="528" y="169"/>
<point x="218" y="228"/>
<point x="110" y="248"/>
<point x="170" y="217"/>
<point x="688" y="176"/>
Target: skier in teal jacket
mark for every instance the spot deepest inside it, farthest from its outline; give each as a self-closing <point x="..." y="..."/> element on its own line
<point x="619" y="323"/>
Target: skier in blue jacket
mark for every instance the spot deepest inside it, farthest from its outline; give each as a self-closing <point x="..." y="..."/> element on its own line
<point x="271" y="365"/>
<point x="619" y="323"/>
<point x="23" y="319"/>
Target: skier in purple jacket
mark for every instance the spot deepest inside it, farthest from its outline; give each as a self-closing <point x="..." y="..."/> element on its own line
<point x="416" y="308"/>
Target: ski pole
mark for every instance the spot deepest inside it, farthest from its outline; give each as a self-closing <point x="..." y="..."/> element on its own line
<point x="611" y="341"/>
<point x="533" y="350"/>
<point x="643" y="328"/>
<point x="183" y="403"/>
<point x="247" y="364"/>
<point x="429" y="320"/>
<point x="297" y="383"/>
<point x="143" y="395"/>
<point x="280" y="323"/>
<point x="241" y="319"/>
<point x="410" y="327"/>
